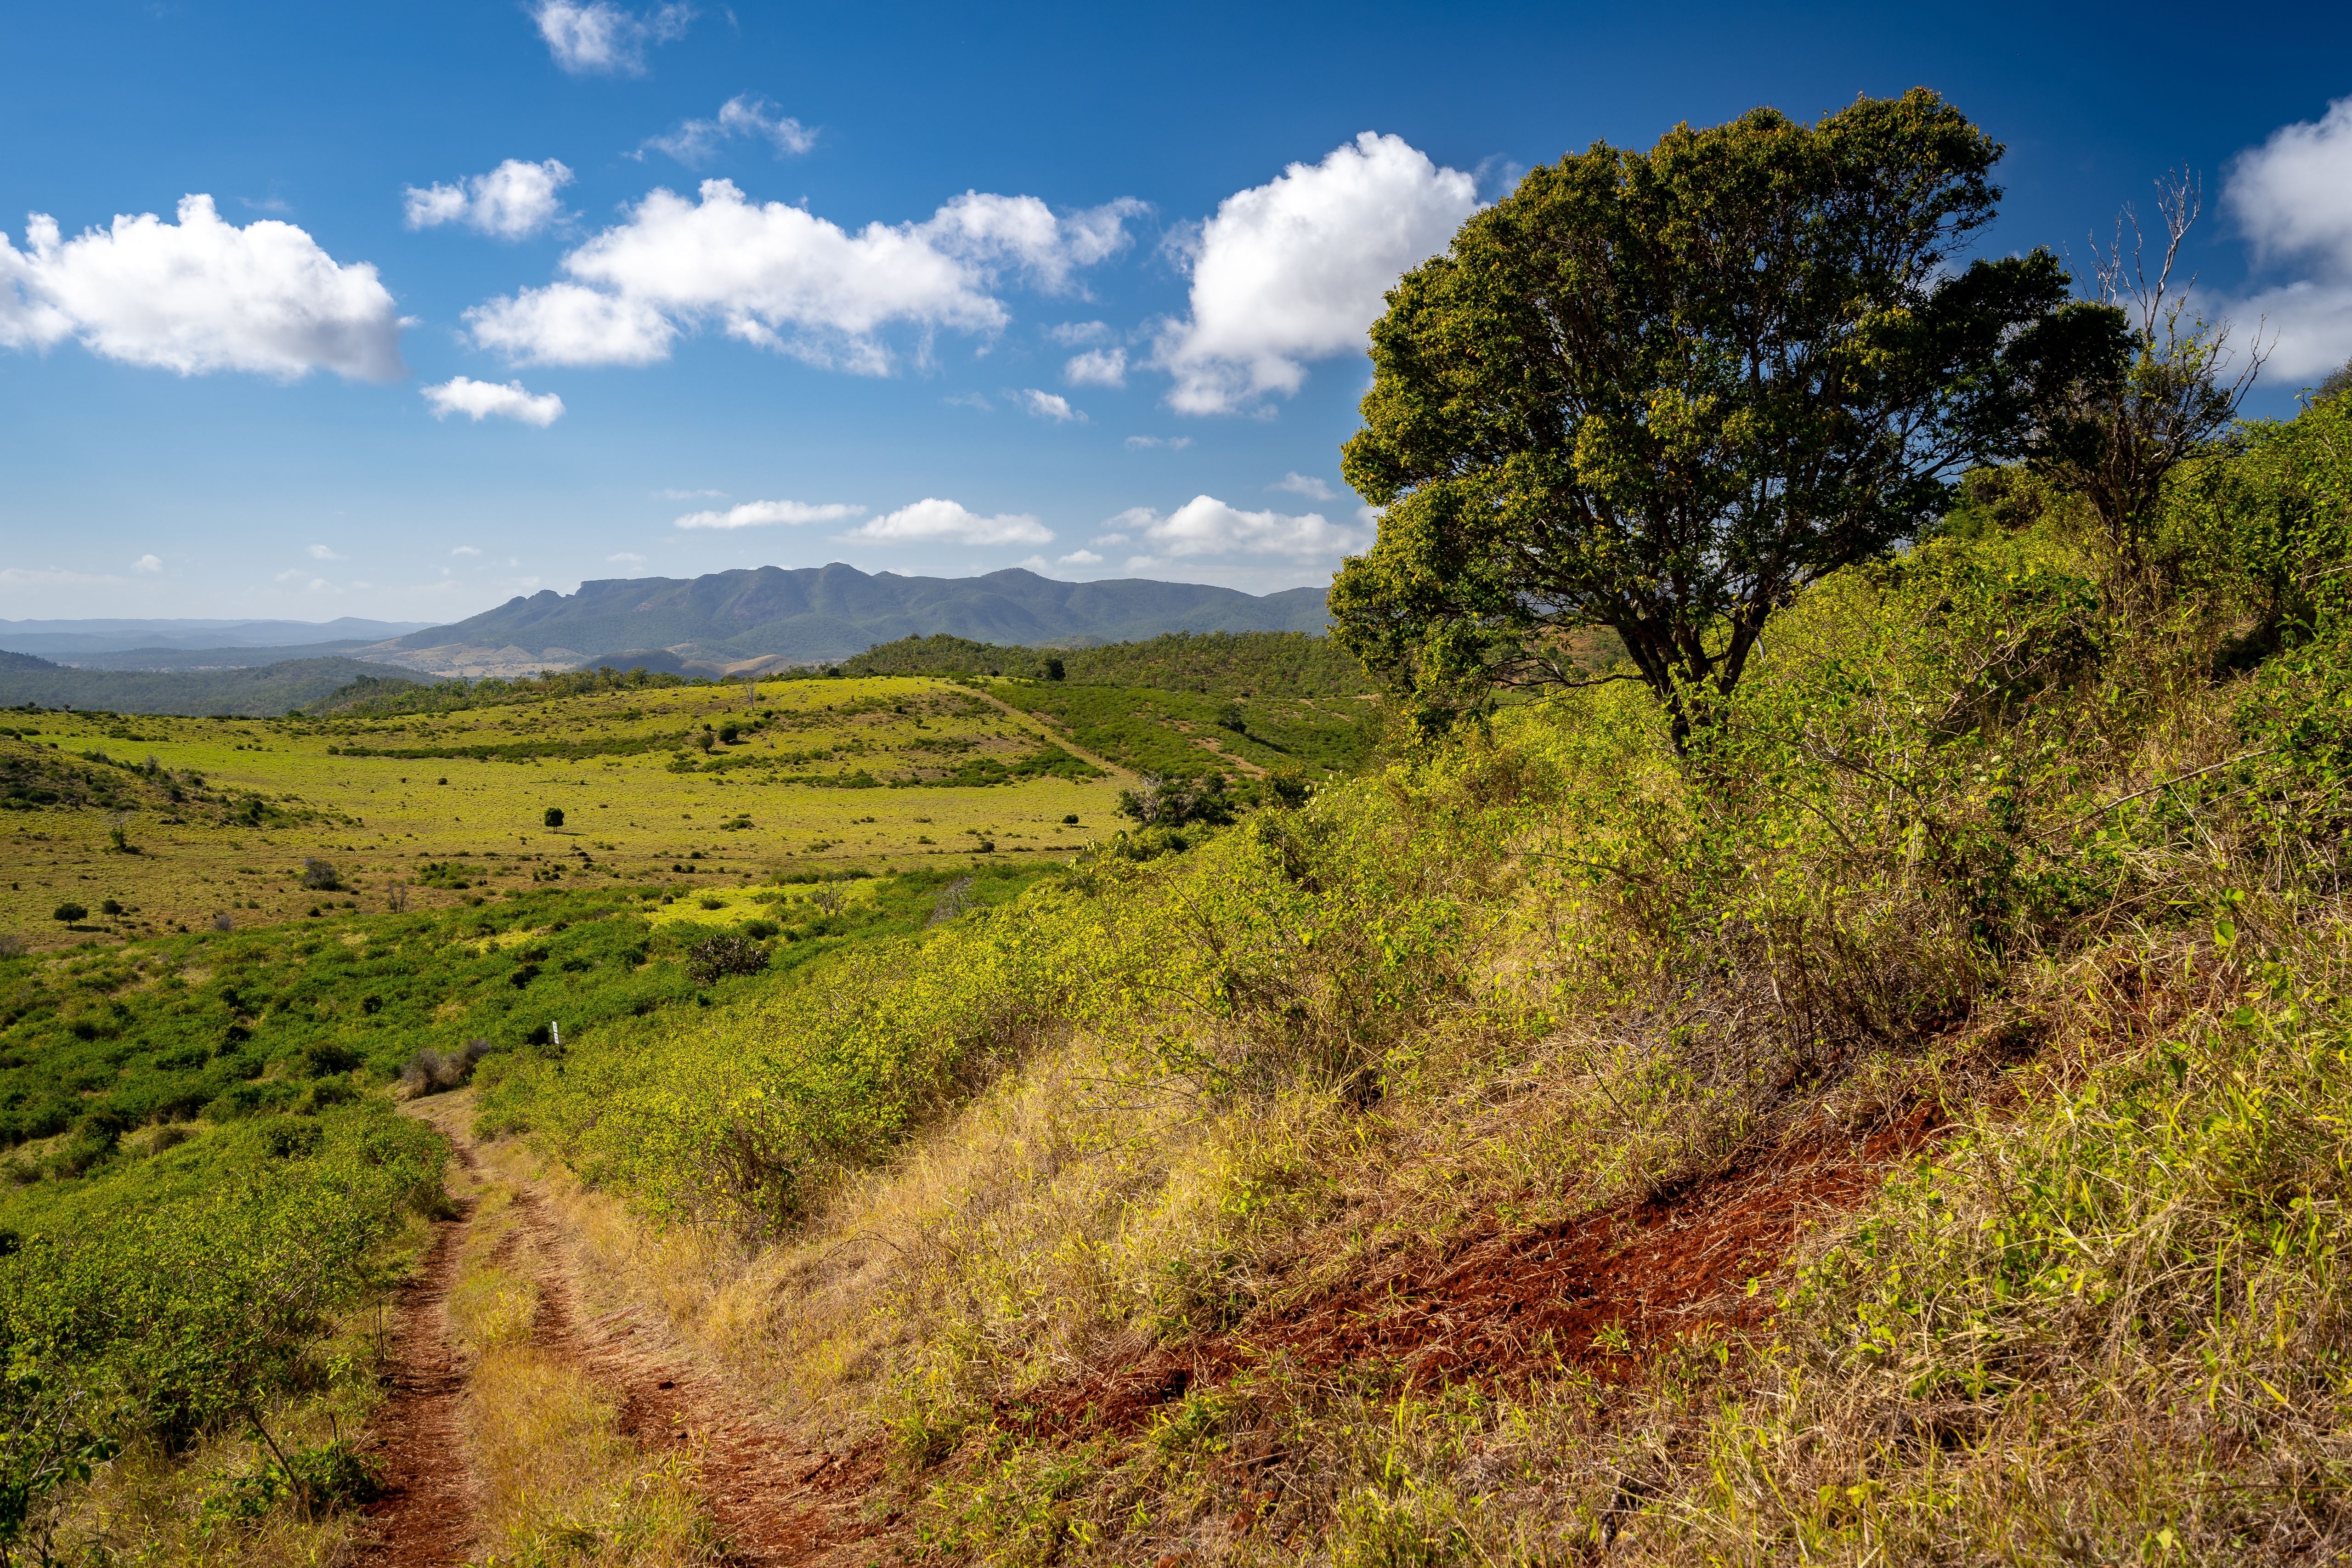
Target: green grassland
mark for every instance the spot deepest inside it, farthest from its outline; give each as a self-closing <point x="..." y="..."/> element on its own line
<point x="220" y="815"/>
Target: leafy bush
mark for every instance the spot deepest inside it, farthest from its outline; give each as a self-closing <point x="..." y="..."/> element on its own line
<point x="181" y="1298"/>
<point x="727" y="954"/>
<point x="320" y="876"/>
<point x="69" y="913"/>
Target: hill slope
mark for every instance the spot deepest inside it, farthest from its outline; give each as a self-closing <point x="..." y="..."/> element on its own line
<point x="832" y="612"/>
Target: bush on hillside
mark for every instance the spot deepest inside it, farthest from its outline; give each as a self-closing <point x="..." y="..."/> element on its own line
<point x="431" y="1071"/>
<point x="730" y="953"/>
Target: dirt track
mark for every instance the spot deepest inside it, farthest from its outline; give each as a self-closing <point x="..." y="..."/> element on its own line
<point x="425" y="1516"/>
<point x="777" y="1503"/>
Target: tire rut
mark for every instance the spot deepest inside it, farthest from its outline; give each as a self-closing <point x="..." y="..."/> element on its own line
<point x="425" y="1519"/>
<point x="777" y="1502"/>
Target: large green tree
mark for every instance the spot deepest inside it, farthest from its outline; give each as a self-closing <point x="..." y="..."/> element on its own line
<point x="1662" y="391"/>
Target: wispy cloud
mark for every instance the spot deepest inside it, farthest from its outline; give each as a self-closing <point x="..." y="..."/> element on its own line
<point x="600" y="39"/>
<point x="935" y="522"/>
<point x="743" y="116"/>
<point x="1096" y="367"/>
<point x="1303" y="485"/>
<point x="1047" y="405"/>
<point x="758" y="514"/>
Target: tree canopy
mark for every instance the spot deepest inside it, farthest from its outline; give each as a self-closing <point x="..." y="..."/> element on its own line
<point x="1662" y="391"/>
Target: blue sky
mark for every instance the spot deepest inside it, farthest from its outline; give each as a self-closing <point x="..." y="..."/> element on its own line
<point x="982" y="286"/>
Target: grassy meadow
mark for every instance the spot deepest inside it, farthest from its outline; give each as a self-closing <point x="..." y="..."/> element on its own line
<point x="821" y="776"/>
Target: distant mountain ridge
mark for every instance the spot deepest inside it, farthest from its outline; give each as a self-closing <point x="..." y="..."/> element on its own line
<point x="826" y="612"/>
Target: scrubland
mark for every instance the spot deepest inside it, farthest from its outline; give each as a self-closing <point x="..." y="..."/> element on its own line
<point x="1909" y="1127"/>
<point x="1905" y="1123"/>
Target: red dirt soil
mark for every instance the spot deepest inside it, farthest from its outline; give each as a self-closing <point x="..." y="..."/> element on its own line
<point x="1505" y="1305"/>
<point x="423" y="1520"/>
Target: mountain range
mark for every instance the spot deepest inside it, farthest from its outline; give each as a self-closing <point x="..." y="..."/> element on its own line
<point x="767" y="616"/>
<point x="754" y="619"/>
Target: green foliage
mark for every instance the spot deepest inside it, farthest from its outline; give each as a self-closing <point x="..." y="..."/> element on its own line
<point x="225" y="1024"/>
<point x="182" y="1295"/>
<point x="1664" y="391"/>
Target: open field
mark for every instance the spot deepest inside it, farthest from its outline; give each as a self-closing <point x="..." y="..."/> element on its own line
<point x="821" y="776"/>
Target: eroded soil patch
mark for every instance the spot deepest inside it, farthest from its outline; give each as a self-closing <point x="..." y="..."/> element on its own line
<point x="1597" y="1292"/>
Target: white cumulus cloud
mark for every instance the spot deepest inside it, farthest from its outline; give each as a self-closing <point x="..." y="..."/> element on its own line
<point x="197" y="296"/>
<point x="512" y="201"/>
<point x="1079" y="558"/>
<point x="1050" y="406"/>
<point x="1306" y="485"/>
<point x="757" y="514"/>
<point x="463" y="394"/>
<point x="2293" y="197"/>
<point x="1097" y="367"/>
<point x="149" y="563"/>
<point x="564" y="323"/>
<point x="466" y="550"/>
<point x="320" y="553"/>
<point x="600" y="39"/>
<point x="694" y="140"/>
<point x="1293" y="271"/>
<point x="934" y="521"/>
<point x="1207" y="526"/>
<point x="783" y="278"/>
